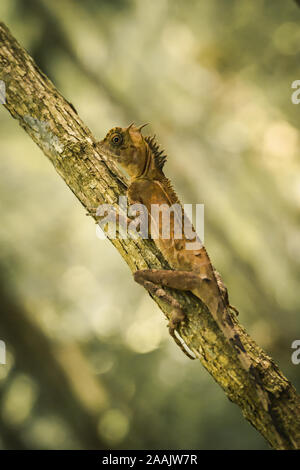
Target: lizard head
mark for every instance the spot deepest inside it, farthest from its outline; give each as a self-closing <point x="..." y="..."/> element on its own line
<point x="127" y="146"/>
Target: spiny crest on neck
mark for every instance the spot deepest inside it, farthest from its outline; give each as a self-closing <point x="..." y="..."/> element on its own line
<point x="159" y="158"/>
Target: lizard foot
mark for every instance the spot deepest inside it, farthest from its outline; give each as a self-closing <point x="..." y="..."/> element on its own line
<point x="235" y="310"/>
<point x="176" y="317"/>
<point x="92" y="212"/>
<point x="177" y="314"/>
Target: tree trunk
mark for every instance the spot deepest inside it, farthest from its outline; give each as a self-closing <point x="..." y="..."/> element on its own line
<point x="56" y="128"/>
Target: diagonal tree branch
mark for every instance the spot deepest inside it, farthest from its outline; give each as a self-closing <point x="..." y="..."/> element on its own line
<point x="56" y="128"/>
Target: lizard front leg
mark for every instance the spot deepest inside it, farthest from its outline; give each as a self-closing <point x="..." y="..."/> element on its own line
<point x="224" y="291"/>
<point x="154" y="279"/>
<point x="121" y="220"/>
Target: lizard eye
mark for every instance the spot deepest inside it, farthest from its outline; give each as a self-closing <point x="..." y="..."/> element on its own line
<point x="116" y="139"/>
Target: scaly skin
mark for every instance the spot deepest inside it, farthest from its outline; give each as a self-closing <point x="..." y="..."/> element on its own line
<point x="191" y="269"/>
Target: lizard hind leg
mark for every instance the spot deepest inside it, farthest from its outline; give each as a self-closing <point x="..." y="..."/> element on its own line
<point x="181" y="280"/>
<point x="147" y="279"/>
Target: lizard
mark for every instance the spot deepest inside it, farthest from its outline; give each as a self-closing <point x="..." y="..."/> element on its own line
<point x="191" y="269"/>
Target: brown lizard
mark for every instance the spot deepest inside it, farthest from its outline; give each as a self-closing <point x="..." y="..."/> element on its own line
<point x="192" y="269"/>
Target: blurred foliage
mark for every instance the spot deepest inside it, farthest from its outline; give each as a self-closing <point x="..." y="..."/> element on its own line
<point x="90" y="363"/>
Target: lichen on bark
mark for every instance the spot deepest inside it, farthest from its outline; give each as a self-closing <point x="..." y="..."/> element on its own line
<point x="54" y="125"/>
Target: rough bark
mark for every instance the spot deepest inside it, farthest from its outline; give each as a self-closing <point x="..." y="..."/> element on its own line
<point x="56" y="128"/>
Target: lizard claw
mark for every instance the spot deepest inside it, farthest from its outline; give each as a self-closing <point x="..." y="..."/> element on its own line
<point x="235" y="310"/>
<point x="176" y="317"/>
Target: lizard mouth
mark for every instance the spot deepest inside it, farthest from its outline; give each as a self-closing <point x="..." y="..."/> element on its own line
<point x="107" y="151"/>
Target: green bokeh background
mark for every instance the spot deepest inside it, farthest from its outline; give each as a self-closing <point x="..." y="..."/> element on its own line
<point x="89" y="360"/>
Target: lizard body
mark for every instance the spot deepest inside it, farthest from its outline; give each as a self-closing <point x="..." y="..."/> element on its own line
<point x="192" y="269"/>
